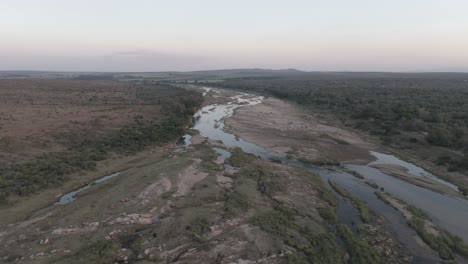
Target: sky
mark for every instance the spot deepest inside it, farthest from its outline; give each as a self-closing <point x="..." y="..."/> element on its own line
<point x="184" y="35"/>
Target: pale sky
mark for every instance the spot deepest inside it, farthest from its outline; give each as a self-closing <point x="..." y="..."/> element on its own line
<point x="166" y="35"/>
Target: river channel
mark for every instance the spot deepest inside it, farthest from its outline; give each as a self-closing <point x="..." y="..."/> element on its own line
<point x="451" y="213"/>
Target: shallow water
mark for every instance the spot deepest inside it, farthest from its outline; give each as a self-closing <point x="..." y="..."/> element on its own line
<point x="224" y="153"/>
<point x="71" y="196"/>
<point x="450" y="213"/>
<point x="411" y="168"/>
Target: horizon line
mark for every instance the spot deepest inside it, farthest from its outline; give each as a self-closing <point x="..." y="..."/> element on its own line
<point x="237" y="69"/>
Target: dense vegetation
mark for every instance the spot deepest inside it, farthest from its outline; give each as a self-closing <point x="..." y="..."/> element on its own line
<point x="407" y="111"/>
<point x="175" y="105"/>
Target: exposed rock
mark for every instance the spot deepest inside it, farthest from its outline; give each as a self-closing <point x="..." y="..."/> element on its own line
<point x="141" y="219"/>
<point x="87" y="227"/>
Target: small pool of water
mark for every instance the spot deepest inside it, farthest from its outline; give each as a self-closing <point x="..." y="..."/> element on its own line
<point x="185" y="141"/>
<point x="224" y="153"/>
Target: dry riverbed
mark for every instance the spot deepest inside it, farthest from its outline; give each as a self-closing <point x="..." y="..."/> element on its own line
<point x="286" y="129"/>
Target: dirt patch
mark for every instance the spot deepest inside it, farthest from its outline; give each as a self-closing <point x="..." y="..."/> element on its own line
<point x="154" y="190"/>
<point x="224" y="181"/>
<point x="287" y="129"/>
<point x="189" y="177"/>
<point x="197" y="139"/>
<point x="222" y="227"/>
<point x="128" y="219"/>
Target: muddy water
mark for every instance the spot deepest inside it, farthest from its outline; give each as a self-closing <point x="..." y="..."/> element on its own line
<point x="449" y="212"/>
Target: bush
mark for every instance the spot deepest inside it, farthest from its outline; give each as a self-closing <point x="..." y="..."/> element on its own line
<point x="418" y="212"/>
<point x="329" y="215"/>
<point x="364" y="211"/>
<point x="235" y="202"/>
<point x="311" y="247"/>
<point x="239" y="158"/>
<point x="359" y="250"/>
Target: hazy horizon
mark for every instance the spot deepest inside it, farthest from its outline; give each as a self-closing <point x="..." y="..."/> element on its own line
<point x="152" y="36"/>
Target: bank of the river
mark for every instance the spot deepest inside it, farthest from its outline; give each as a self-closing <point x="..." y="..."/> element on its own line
<point x="209" y="126"/>
<point x="301" y="136"/>
<point x="254" y="127"/>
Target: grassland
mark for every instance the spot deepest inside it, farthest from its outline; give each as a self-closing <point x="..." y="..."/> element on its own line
<point x="60" y="127"/>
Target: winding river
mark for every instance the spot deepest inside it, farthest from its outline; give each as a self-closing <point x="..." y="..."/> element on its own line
<point x="451" y="213"/>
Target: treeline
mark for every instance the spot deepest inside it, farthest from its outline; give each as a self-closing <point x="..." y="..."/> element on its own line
<point x="175" y="108"/>
<point x="402" y="112"/>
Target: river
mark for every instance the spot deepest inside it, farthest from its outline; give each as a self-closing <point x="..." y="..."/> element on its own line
<point x="450" y="213"/>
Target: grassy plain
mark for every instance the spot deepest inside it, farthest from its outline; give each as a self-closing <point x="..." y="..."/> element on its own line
<point x="51" y="129"/>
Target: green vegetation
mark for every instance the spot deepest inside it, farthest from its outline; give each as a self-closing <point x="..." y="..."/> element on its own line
<point x="358" y="248"/>
<point x="296" y="228"/>
<point x="364" y="211"/>
<point x="329" y="214"/>
<point x="381" y="196"/>
<point x="321" y="161"/>
<point x="198" y="227"/>
<point x="463" y="190"/>
<point x="444" y="243"/>
<point x="372" y="184"/>
<point x="97" y="252"/>
<point x="439" y="240"/>
<point x="84" y="150"/>
<point x="417" y="212"/>
<point x="235" y="203"/>
<point x="355" y="174"/>
<point x="239" y="158"/>
<point x="328" y="196"/>
<point x="311" y="247"/>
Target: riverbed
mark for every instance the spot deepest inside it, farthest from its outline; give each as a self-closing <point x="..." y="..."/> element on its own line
<point x="450" y="213"/>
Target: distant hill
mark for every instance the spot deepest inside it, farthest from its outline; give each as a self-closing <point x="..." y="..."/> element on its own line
<point x="230" y="73"/>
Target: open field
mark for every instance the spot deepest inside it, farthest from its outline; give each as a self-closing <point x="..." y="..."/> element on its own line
<point x="34" y="113"/>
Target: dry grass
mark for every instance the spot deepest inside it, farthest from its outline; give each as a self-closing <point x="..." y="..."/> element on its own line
<point x="34" y="111"/>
